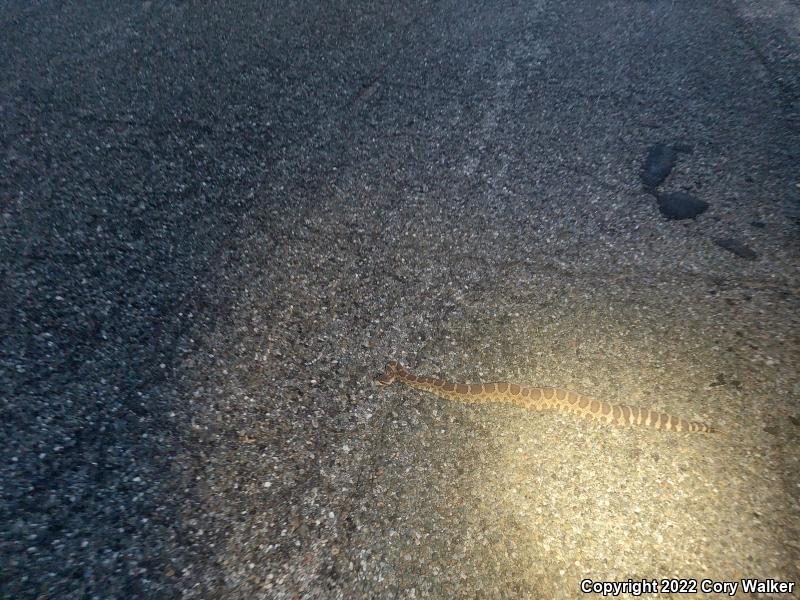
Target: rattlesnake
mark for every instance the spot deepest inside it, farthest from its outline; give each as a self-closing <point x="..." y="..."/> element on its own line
<point x="541" y="399"/>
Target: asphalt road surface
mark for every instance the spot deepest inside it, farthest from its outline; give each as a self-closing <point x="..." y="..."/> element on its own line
<point x="219" y="221"/>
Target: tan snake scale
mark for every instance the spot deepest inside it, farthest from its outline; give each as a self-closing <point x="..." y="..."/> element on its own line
<point x="536" y="398"/>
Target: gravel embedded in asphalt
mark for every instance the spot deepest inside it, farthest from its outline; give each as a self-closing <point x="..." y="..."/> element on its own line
<point x="219" y="222"/>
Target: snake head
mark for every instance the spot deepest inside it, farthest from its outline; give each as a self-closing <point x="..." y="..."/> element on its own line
<point x="390" y="374"/>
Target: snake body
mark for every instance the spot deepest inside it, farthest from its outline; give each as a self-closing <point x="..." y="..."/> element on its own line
<point x="536" y="398"/>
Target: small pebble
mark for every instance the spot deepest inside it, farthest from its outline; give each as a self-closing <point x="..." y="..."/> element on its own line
<point x="679" y="205"/>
